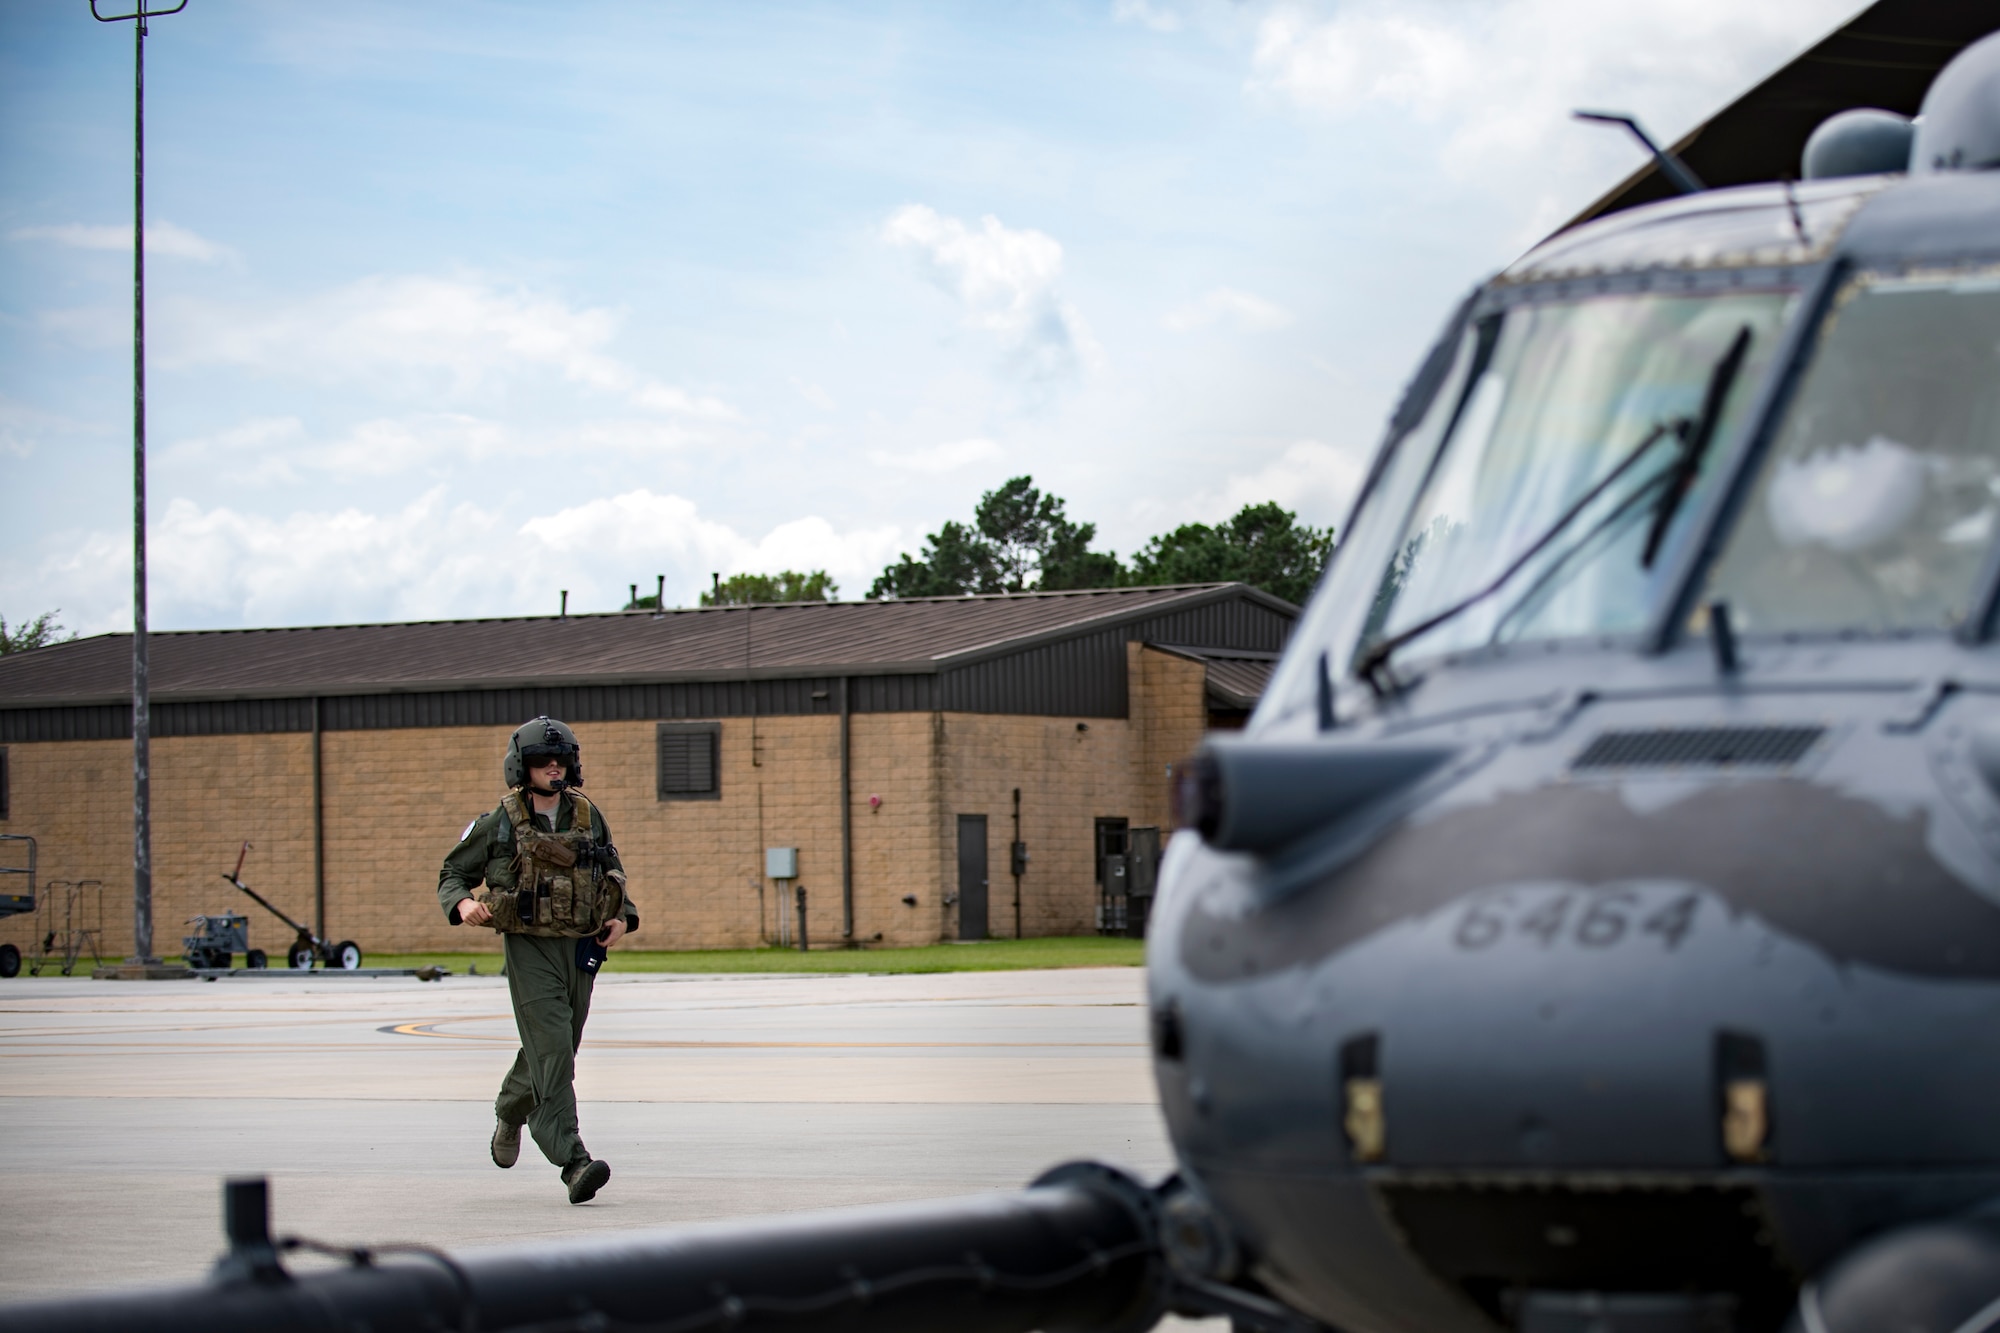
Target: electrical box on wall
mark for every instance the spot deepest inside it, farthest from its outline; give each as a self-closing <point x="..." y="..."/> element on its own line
<point x="781" y="863"/>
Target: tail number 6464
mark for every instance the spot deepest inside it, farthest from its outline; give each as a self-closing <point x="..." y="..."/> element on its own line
<point x="1600" y="919"/>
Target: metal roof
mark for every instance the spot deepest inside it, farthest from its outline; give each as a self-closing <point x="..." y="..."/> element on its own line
<point x="1239" y="682"/>
<point x="723" y="643"/>
<point x="1236" y="676"/>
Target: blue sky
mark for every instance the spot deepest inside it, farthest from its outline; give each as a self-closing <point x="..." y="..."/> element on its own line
<point x="452" y="306"/>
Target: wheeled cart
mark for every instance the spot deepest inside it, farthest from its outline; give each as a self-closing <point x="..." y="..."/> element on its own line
<point x="14" y="904"/>
<point x="220" y="936"/>
<point x="69" y="920"/>
<point x="308" y="948"/>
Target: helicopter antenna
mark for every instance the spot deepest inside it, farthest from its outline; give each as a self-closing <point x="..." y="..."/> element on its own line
<point x="142" y="817"/>
<point x="1676" y="171"/>
<point x="1792" y="205"/>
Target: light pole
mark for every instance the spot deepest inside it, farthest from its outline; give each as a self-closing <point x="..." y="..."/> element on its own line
<point x="142" y="822"/>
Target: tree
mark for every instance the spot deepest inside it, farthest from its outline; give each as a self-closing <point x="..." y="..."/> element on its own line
<point x="787" y="585"/>
<point x="1067" y="561"/>
<point x="1020" y="540"/>
<point x="40" y="632"/>
<point x="955" y="561"/>
<point x="1264" y="545"/>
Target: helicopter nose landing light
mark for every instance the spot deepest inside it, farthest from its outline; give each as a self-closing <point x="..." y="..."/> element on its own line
<point x="1362" y="1119"/>
<point x="1745" y="1119"/>
<point x="1367" y="1131"/>
<point x="1746" y="1096"/>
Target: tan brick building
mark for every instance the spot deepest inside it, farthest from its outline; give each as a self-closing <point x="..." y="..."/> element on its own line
<point x="708" y="736"/>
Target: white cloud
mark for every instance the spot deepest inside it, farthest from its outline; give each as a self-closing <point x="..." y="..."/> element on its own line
<point x="23" y="427"/>
<point x="1365" y="54"/>
<point x="814" y="394"/>
<point x="1239" y="311"/>
<point x="667" y="534"/>
<point x="265" y="450"/>
<point x="634" y="438"/>
<point x="474" y="334"/>
<point x="1314" y="480"/>
<point x="636" y="522"/>
<point x="162" y="238"/>
<point x="1158" y="17"/>
<point x="939" y="458"/>
<point x="1004" y="280"/>
<point x="257" y="451"/>
<point x="222" y="566"/>
<point x="279" y="450"/>
<point x="87" y="575"/>
<point x="1499" y="79"/>
<point x="427" y="559"/>
<point x="89" y="326"/>
<point x="430" y="558"/>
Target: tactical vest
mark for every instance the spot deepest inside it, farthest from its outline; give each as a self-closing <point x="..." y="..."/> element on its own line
<point x="559" y="887"/>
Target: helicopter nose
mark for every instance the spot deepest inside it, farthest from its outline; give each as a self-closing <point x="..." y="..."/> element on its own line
<point x="1565" y="1026"/>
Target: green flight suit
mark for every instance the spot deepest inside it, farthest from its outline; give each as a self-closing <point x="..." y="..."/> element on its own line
<point x="550" y="993"/>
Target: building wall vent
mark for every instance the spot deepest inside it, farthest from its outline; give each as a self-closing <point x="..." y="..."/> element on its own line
<point x="688" y="761"/>
<point x="1699" y="747"/>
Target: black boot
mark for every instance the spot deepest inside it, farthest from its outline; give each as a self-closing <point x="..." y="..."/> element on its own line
<point x="585" y="1178"/>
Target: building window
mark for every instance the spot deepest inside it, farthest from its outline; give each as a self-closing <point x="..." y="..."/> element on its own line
<point x="690" y="761"/>
<point x="3" y="782"/>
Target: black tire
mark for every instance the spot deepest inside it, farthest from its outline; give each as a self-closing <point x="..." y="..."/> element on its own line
<point x="347" y="955"/>
<point x="299" y="955"/>
<point x="256" y="960"/>
<point x="10" y="961"/>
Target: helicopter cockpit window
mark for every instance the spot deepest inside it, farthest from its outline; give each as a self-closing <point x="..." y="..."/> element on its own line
<point x="1339" y="607"/>
<point x="1577" y="460"/>
<point x="1877" y="502"/>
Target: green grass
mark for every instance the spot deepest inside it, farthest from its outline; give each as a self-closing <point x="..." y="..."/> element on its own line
<point x="983" y="956"/>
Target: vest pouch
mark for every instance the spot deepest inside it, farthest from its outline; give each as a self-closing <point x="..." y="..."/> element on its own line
<point x="553" y="851"/>
<point x="562" y="900"/>
<point x="505" y="908"/>
<point x="590" y="899"/>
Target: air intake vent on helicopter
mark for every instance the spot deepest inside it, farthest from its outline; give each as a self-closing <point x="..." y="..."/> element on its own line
<point x="1703" y="747"/>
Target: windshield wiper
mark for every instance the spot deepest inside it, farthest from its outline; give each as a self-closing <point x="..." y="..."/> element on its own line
<point x="1630" y="509"/>
<point x="1694" y="433"/>
<point x="1688" y="465"/>
<point x="1667" y="489"/>
<point x="1371" y="663"/>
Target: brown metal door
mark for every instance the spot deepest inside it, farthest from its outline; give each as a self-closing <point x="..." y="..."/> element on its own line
<point x="972" y="877"/>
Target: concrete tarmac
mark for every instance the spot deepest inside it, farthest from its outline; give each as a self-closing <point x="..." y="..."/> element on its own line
<point x="368" y="1103"/>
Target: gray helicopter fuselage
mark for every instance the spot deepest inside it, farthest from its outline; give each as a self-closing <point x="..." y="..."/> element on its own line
<point x="1676" y="972"/>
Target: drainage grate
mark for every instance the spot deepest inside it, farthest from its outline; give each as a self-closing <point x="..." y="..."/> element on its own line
<point x="1709" y="747"/>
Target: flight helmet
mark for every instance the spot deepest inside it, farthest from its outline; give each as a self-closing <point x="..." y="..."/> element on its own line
<point x="537" y="742"/>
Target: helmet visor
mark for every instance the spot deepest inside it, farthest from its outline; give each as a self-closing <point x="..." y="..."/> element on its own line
<point x="537" y="755"/>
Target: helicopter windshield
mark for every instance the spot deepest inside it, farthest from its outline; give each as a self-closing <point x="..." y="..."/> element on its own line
<point x="1564" y="396"/>
<point x="1877" y="503"/>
